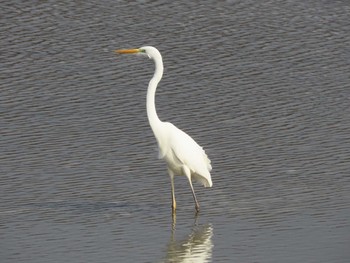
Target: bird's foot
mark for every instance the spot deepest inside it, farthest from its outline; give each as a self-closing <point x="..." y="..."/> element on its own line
<point x="197" y="208"/>
<point x="173" y="208"/>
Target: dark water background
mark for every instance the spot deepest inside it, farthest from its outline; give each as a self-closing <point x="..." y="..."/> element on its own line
<point x="262" y="85"/>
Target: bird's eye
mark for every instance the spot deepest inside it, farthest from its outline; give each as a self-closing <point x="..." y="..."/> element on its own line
<point x="142" y="51"/>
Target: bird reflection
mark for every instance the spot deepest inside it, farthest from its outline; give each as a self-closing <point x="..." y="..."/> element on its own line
<point x="196" y="247"/>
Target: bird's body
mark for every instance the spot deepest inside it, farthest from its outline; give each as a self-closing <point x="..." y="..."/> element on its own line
<point x="181" y="153"/>
<point x="173" y="144"/>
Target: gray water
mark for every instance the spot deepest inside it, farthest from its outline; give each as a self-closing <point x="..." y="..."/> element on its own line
<point x="263" y="86"/>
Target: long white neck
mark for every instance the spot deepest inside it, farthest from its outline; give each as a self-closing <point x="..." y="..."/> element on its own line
<point x="153" y="119"/>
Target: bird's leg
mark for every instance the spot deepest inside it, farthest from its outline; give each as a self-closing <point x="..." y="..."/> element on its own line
<point x="171" y="174"/>
<point x="188" y="175"/>
<point x="173" y="224"/>
<point x="194" y="196"/>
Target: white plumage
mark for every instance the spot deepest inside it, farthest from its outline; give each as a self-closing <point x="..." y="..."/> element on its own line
<point x="181" y="153"/>
<point x="178" y="149"/>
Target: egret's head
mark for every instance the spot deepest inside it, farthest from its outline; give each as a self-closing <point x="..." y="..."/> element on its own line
<point x="148" y="51"/>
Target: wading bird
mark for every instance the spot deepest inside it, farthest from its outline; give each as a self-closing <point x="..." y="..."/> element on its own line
<point x="181" y="153"/>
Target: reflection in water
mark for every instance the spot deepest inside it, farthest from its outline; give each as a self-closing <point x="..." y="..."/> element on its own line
<point x="196" y="247"/>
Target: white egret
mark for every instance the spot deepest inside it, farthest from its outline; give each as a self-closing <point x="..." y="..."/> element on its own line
<point x="181" y="153"/>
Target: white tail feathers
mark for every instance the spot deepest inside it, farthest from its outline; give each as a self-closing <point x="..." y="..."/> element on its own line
<point x="205" y="180"/>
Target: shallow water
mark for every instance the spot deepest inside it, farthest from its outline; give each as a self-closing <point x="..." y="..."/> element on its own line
<point x="262" y="86"/>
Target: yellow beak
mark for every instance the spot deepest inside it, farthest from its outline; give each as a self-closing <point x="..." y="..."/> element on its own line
<point x="127" y="51"/>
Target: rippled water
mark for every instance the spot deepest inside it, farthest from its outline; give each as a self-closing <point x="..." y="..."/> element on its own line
<point x="262" y="85"/>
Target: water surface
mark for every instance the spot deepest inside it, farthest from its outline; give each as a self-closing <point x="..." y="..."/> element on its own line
<point x="262" y="86"/>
